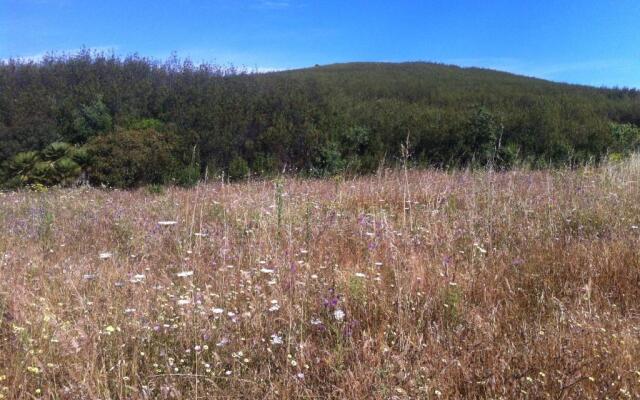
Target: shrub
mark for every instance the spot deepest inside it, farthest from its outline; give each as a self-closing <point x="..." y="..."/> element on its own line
<point x="43" y="173"/>
<point x="145" y="123"/>
<point x="155" y="189"/>
<point x="80" y="155"/>
<point x="238" y="169"/>
<point x="89" y="121"/>
<point x="330" y="161"/>
<point x="188" y="176"/>
<point x="67" y="171"/>
<point x="126" y="159"/>
<point x="55" y="151"/>
<point x="626" y="138"/>
<point x="57" y="164"/>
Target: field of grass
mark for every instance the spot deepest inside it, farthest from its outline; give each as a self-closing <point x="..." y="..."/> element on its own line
<point x="421" y="285"/>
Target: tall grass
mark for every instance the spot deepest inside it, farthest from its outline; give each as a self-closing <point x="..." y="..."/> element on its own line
<point x="520" y="284"/>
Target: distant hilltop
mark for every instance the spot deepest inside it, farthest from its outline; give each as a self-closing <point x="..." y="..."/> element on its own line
<point x="320" y="120"/>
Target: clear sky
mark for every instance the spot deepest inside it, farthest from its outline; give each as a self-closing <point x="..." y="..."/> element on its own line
<point x="594" y="42"/>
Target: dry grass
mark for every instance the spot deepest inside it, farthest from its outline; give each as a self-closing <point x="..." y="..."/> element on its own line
<point x="481" y="285"/>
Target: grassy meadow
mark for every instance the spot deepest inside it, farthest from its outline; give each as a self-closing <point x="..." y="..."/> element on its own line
<point x="399" y="285"/>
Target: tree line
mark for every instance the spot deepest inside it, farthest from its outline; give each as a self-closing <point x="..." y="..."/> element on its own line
<point x="124" y="122"/>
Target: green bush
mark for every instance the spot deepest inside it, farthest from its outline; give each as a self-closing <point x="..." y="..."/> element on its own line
<point x="55" y="151"/>
<point x="67" y="171"/>
<point x="80" y="155"/>
<point x="144" y="124"/>
<point x="90" y="120"/>
<point x="329" y="160"/>
<point x="626" y="138"/>
<point x="43" y="173"/>
<point x="53" y="166"/>
<point x="188" y="176"/>
<point x="125" y="159"/>
<point x="155" y="189"/>
<point x="238" y="169"/>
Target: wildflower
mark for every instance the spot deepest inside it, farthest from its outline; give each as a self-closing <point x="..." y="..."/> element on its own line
<point x="184" y="274"/>
<point x="222" y="342"/>
<point x="110" y="329"/>
<point x="137" y="278"/>
<point x="300" y="375"/>
<point x="183" y="302"/>
<point x="338" y="315"/>
<point x="517" y="262"/>
<point x="33" y="370"/>
<point x="216" y="310"/>
<point x="129" y="310"/>
<point x="480" y="249"/>
<point x="167" y="223"/>
<point x="274" y="306"/>
<point x="316" y="321"/>
<point x="89" y="277"/>
<point x="276" y="339"/>
<point x="360" y="275"/>
<point x="266" y="271"/>
<point x="105" y="255"/>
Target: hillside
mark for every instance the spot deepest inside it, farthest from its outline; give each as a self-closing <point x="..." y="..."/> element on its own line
<point x="321" y="120"/>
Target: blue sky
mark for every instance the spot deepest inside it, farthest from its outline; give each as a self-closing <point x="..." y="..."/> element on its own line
<point x="594" y="42"/>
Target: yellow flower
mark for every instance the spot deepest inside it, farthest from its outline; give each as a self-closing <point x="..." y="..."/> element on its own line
<point x="33" y="370"/>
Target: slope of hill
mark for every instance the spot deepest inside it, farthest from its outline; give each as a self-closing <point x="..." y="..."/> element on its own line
<point x="319" y="120"/>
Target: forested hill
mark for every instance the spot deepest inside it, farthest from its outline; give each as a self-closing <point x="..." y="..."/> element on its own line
<point x="134" y="121"/>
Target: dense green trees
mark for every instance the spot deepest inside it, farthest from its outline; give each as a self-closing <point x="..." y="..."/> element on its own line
<point x="133" y="121"/>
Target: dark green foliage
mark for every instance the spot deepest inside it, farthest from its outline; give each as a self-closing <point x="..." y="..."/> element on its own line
<point x="66" y="170"/>
<point x="146" y="123"/>
<point x="80" y="155"/>
<point x="155" y="189"/>
<point x="481" y="139"/>
<point x="126" y="159"/>
<point x="238" y="169"/>
<point x="52" y="166"/>
<point x="329" y="160"/>
<point x="43" y="173"/>
<point x="323" y="120"/>
<point x="187" y="176"/>
<point x="88" y="121"/>
<point x="626" y="137"/>
<point x="22" y="163"/>
<point x="55" y="151"/>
